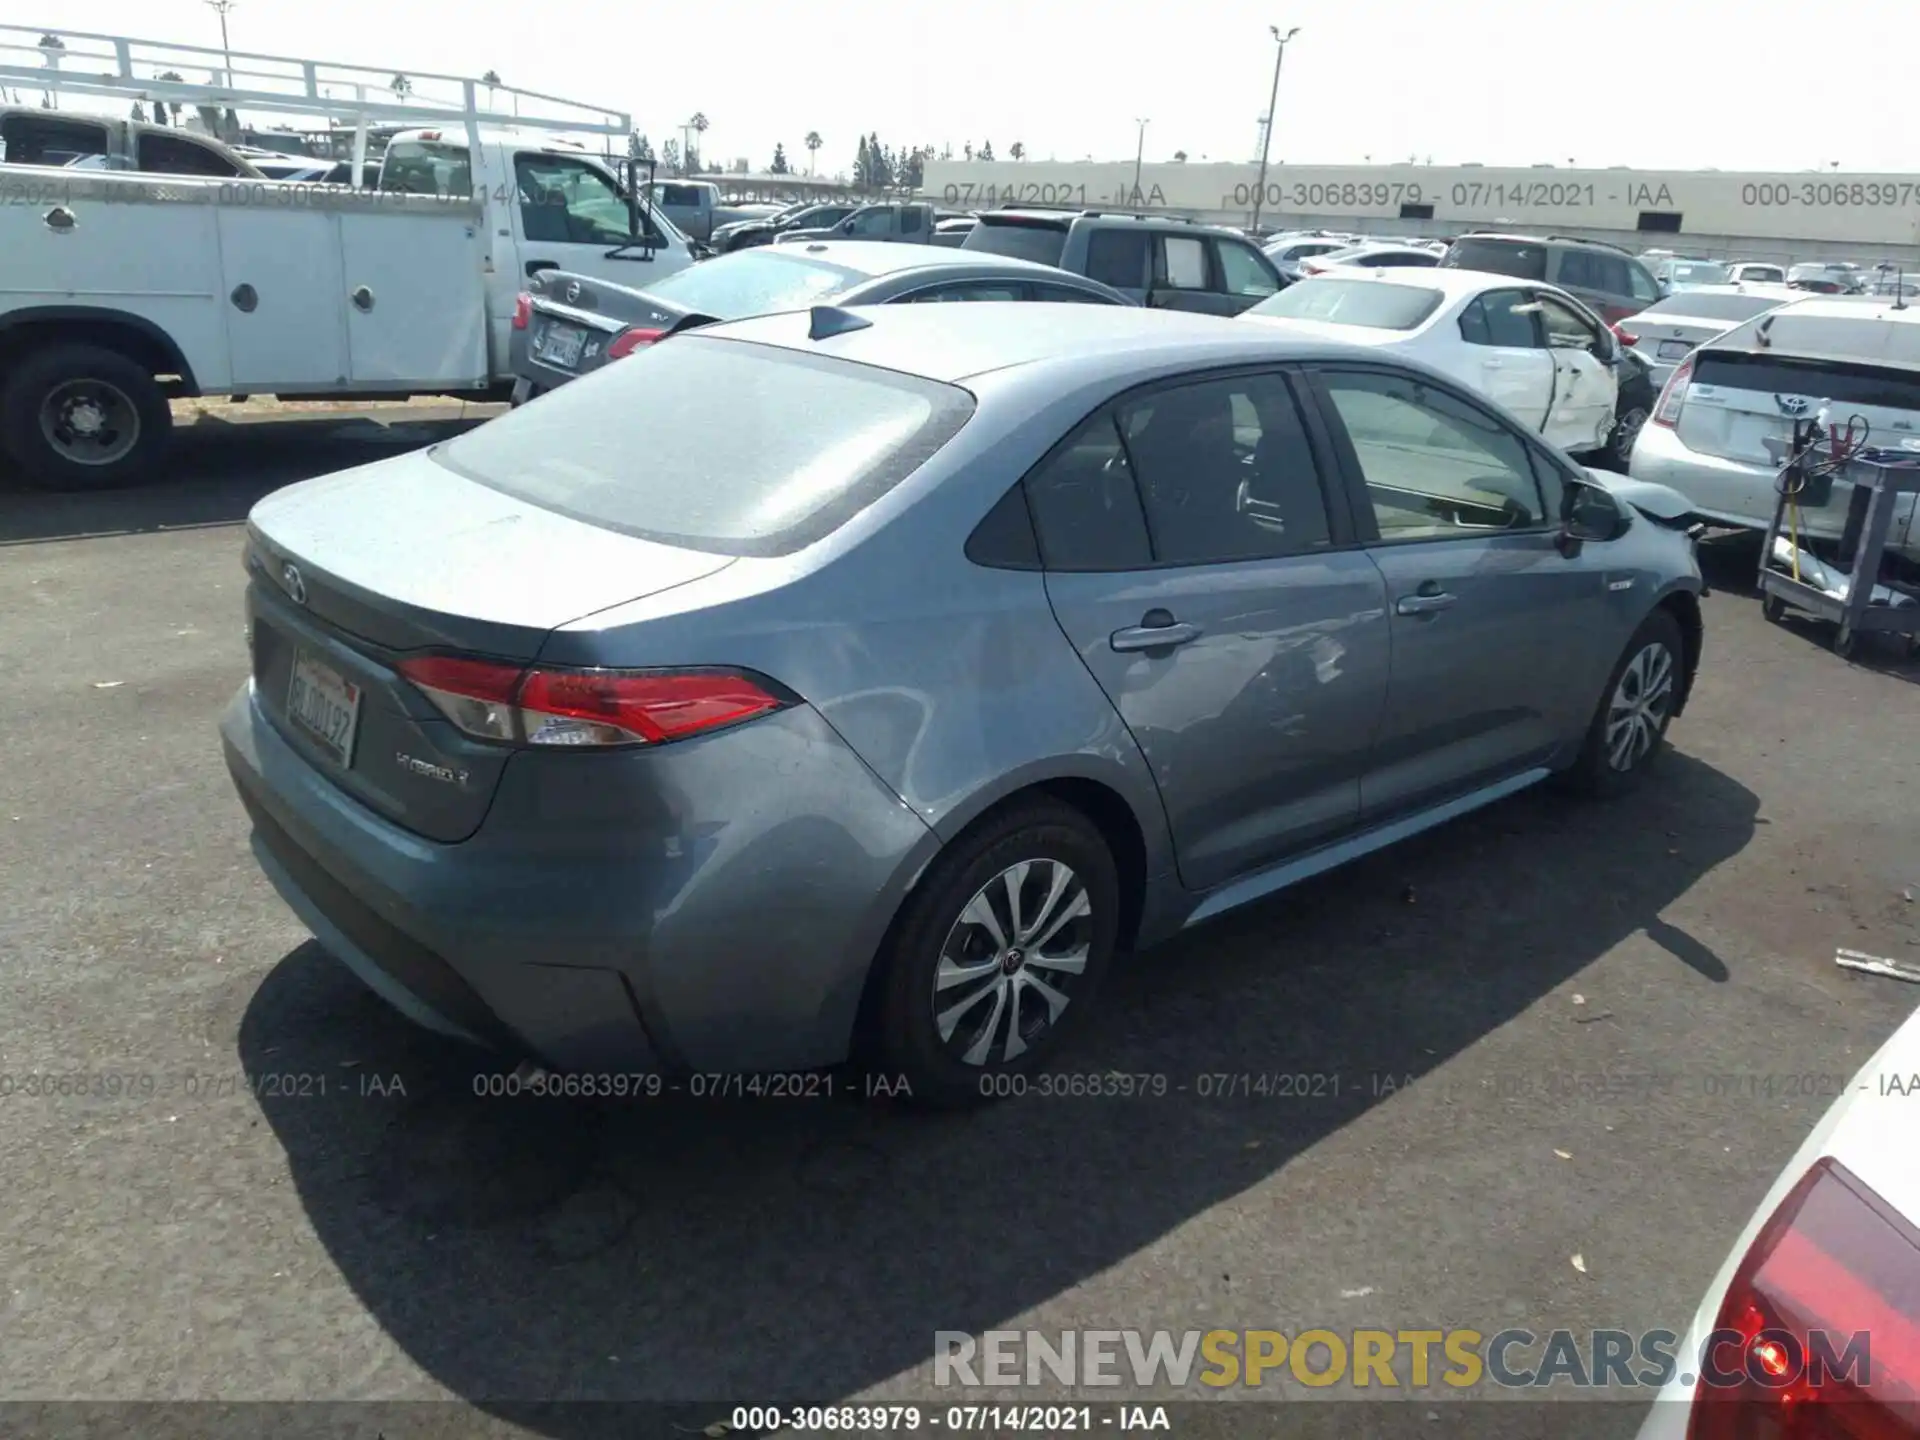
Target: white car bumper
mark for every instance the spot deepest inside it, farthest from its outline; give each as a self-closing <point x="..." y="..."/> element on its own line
<point x="1741" y="494"/>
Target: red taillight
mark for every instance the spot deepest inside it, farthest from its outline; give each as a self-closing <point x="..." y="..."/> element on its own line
<point x="522" y="310"/>
<point x="1666" y="410"/>
<point x="628" y="341"/>
<point x="496" y="701"/>
<point x="1622" y="336"/>
<point x="1817" y="1338"/>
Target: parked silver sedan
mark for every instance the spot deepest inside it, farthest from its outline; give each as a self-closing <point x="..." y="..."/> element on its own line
<point x="1669" y="330"/>
<point x="855" y="683"/>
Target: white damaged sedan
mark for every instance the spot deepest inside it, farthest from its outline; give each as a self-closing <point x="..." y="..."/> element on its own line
<point x="1531" y="347"/>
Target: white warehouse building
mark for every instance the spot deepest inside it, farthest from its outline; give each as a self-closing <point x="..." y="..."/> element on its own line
<point x="1783" y="217"/>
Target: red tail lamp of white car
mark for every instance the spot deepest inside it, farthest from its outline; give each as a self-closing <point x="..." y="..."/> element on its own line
<point x="1818" y="1336"/>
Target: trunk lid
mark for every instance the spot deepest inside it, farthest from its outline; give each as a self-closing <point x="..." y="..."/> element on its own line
<point x="1739" y="399"/>
<point x="352" y="573"/>
<point x="1668" y="339"/>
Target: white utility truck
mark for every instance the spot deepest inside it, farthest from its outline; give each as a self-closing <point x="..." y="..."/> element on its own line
<point x="120" y="290"/>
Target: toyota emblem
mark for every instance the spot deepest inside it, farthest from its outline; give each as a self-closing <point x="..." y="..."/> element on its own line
<point x="1791" y="404"/>
<point x="573" y="292"/>
<point x="296" y="587"/>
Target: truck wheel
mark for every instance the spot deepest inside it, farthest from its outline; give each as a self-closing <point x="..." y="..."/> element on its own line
<point x="82" y="417"/>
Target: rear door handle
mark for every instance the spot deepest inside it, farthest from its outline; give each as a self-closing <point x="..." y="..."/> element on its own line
<point x="1493" y="364"/>
<point x="534" y="267"/>
<point x="1423" y="604"/>
<point x="1155" y="637"/>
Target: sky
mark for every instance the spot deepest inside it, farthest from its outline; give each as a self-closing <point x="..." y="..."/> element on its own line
<point x="1653" y="84"/>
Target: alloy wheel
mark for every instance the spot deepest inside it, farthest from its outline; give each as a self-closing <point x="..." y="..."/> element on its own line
<point x="1638" y="711"/>
<point x="1011" y="961"/>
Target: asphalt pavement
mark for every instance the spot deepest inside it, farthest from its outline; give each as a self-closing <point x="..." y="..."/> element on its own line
<point x="1552" y="1030"/>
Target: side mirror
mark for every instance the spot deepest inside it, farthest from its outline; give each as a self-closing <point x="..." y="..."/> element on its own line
<point x="1606" y="348"/>
<point x="1588" y="513"/>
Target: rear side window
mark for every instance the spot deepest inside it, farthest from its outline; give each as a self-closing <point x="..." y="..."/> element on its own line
<point x="1068" y="295"/>
<point x="1226" y="472"/>
<point x="1085" y="504"/>
<point x="1181" y="262"/>
<point x="1496" y="318"/>
<point x="1522" y="259"/>
<point x="1580" y="271"/>
<point x="1024" y="239"/>
<point x="170" y="155"/>
<point x="680" y="196"/>
<point x="1118" y="258"/>
<point x="716" y="445"/>
<point x="1375" y="304"/>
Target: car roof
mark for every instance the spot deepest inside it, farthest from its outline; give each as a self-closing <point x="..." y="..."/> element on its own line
<point x="1449" y="282"/>
<point x="952" y="343"/>
<point x="1042" y="215"/>
<point x="874" y="258"/>
<point x="1521" y="239"/>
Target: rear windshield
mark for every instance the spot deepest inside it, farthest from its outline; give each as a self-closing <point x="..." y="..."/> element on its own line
<point x="1376" y="304"/>
<point x="753" y="282"/>
<point x="715" y="445"/>
<point x="1697" y="272"/>
<point x="1522" y="259"/>
<point x="1712" y="307"/>
<point x="1042" y="241"/>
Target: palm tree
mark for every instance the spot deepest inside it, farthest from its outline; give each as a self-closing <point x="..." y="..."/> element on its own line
<point x="493" y="82"/>
<point x="1017" y="150"/>
<point x="1180" y="157"/>
<point x="401" y="86"/>
<point x="52" y="45"/>
<point x="813" y="143"/>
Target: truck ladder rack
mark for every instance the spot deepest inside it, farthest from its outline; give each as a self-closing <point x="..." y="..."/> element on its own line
<point x="123" y="68"/>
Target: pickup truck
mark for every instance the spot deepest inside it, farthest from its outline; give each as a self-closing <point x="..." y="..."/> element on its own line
<point x="121" y="290"/>
<point x="60" y="138"/>
<point x="911" y="221"/>
<point x="695" y="208"/>
<point x="746" y="234"/>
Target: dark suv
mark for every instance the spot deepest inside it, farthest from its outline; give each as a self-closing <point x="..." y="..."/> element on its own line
<point x="1160" y="261"/>
<point x="1609" y="280"/>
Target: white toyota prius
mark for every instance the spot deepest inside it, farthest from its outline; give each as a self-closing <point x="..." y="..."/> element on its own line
<point x="1531" y="347"/>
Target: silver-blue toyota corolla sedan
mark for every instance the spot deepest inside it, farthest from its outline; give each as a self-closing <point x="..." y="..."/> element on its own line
<point x="845" y="684"/>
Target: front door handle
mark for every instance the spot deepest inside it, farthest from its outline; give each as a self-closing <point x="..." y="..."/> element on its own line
<point x="534" y="267"/>
<point x="1157" y="630"/>
<point x="1493" y="364"/>
<point x="1424" y="604"/>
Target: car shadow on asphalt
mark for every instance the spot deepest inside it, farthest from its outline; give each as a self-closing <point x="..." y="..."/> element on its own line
<point x="532" y="1249"/>
<point x="217" y="471"/>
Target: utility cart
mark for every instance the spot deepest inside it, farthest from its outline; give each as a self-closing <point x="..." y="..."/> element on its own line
<point x="1878" y="487"/>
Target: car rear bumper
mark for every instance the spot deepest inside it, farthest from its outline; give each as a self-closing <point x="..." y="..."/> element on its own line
<point x="713" y="909"/>
<point x="1741" y="494"/>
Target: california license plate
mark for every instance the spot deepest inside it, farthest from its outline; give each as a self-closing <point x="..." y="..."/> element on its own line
<point x="1675" y="349"/>
<point x="325" y="704"/>
<point x="561" y="345"/>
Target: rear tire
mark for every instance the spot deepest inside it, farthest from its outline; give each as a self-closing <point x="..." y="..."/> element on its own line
<point x="975" y="994"/>
<point x="83" y="417"/>
<point x="1629" y="729"/>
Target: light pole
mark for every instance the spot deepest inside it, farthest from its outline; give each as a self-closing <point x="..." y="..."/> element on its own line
<point x="1266" y="134"/>
<point x="1139" y="153"/>
<point x="221" y="7"/>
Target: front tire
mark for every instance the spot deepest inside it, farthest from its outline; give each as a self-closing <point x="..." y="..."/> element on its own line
<point x="1626" y="429"/>
<point x="83" y="417"/>
<point x="997" y="956"/>
<point x="1629" y="729"/>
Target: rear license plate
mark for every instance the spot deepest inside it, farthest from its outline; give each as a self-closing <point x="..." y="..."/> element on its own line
<point x="560" y="345"/>
<point x="325" y="704"/>
<point x="1675" y="349"/>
